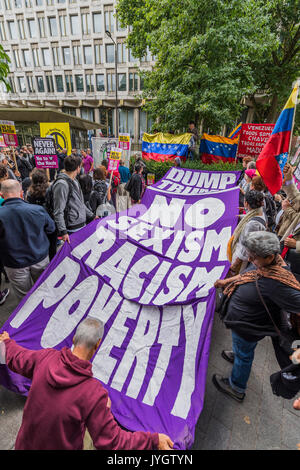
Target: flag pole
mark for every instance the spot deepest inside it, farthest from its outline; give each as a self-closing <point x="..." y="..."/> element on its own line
<point x="293" y="122"/>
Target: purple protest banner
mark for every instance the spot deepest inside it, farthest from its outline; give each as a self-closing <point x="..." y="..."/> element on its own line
<point x="147" y="273"/>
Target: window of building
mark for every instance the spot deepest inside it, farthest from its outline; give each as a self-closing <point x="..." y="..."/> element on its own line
<point x="109" y="20"/>
<point x="86" y="24"/>
<point x="32" y="28"/>
<point x="12" y="30"/>
<point x="111" y="81"/>
<point x="121" y="52"/>
<point x="56" y="55"/>
<point x="7" y="4"/>
<point x="87" y="113"/>
<point x="30" y="84"/>
<point x="39" y="3"/>
<point x="71" y="111"/>
<point x="97" y="22"/>
<point x="88" y="55"/>
<point x="40" y="84"/>
<point x="79" y="82"/>
<point x="12" y="84"/>
<point x="2" y="31"/>
<point x="126" y="121"/>
<point x="22" y="85"/>
<point x="21" y="29"/>
<point x="28" y="3"/>
<point x="59" y="83"/>
<point x="42" y="27"/>
<point x="46" y="56"/>
<point x="50" y="2"/>
<point x="98" y="53"/>
<point x="27" y="58"/>
<point x="64" y="25"/>
<point x="36" y="58"/>
<point x="53" y="26"/>
<point x="61" y="1"/>
<point x="17" y="58"/>
<point x="131" y="57"/>
<point x="122" y="82"/>
<point x="77" y="57"/>
<point x="110" y="53"/>
<point x="75" y="28"/>
<point x="66" y="55"/>
<point x="69" y="83"/>
<point x="100" y="82"/>
<point x="119" y="27"/>
<point x="89" y="82"/>
<point x="133" y="81"/>
<point x="49" y="83"/>
<point x="18" y="3"/>
<point x="145" y="123"/>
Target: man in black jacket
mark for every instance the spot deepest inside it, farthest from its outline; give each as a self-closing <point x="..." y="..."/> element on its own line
<point x="246" y="314"/>
<point x="136" y="184"/>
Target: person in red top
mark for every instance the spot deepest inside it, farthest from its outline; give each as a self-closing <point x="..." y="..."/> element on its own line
<point x="65" y="399"/>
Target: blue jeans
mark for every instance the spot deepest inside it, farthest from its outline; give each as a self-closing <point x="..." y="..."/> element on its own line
<point x="243" y="358"/>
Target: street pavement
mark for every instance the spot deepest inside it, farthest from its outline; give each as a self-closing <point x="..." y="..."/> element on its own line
<point x="262" y="422"/>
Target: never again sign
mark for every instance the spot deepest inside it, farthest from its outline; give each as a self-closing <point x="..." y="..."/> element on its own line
<point x="147" y="273"/>
<point x="45" y="152"/>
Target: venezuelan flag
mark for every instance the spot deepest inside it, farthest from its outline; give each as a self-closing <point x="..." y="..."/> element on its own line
<point x="236" y="131"/>
<point x="216" y="147"/>
<point x="163" y="147"/>
<point x="274" y="155"/>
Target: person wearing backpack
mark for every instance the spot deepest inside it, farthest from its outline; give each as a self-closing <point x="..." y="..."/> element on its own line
<point x="100" y="191"/>
<point x="136" y="185"/>
<point x="69" y="210"/>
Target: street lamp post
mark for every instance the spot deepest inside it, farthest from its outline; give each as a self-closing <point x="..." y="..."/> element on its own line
<point x="116" y="84"/>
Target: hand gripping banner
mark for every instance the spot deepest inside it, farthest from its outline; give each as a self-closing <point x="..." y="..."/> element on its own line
<point x="148" y="273"/>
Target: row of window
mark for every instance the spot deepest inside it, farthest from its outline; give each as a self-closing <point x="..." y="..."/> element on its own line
<point x="80" y="83"/>
<point x="63" y="25"/>
<point x="75" y="55"/>
<point x="9" y="4"/>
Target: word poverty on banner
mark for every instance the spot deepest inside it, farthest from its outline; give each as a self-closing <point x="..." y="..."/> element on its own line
<point x="115" y="154"/>
<point x="124" y="141"/>
<point x="8" y="130"/>
<point x="60" y="131"/>
<point x="148" y="274"/>
<point x="113" y="165"/>
<point x="253" y="138"/>
<point x="44" y="152"/>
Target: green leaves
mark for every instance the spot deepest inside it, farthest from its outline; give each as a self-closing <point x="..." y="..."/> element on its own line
<point x="4" y="67"/>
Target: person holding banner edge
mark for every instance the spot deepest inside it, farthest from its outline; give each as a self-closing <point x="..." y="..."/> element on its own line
<point x="65" y="399"/>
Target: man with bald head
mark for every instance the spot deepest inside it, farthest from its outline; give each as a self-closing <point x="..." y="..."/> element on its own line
<point x="24" y="243"/>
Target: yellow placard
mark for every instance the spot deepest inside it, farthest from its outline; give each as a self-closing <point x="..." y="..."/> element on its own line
<point x="7" y="129"/>
<point x="60" y="131"/>
<point x="115" y="155"/>
<point x="124" y="138"/>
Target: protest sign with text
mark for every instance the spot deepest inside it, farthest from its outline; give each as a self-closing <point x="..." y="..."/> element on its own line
<point x="44" y="152"/>
<point x="253" y="138"/>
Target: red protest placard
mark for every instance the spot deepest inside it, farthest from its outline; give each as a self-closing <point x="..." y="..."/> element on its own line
<point x="253" y="138"/>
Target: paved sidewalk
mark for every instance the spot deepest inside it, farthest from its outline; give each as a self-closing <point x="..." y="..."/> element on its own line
<point x="262" y="422"/>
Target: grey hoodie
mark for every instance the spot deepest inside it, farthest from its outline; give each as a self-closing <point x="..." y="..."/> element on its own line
<point x="77" y="212"/>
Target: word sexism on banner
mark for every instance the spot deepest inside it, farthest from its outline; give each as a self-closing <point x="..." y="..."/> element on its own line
<point x="45" y="152"/>
<point x="253" y="138"/>
<point x="148" y="274"/>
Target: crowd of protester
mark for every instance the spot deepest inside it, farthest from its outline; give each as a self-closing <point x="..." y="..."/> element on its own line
<point x="261" y="293"/>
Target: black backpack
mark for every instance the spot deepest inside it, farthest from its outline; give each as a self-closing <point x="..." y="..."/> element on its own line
<point x="49" y="202"/>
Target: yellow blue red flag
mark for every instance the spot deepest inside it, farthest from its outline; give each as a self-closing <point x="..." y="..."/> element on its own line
<point x="163" y="147"/>
<point x="236" y="131"/>
<point x="214" y="148"/>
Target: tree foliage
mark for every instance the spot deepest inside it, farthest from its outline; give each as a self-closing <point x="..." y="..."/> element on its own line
<point x="4" y="67"/>
<point x="210" y="54"/>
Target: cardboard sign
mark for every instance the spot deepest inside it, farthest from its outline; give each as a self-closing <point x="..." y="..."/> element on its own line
<point x="124" y="141"/>
<point x="115" y="154"/>
<point x="44" y="152"/>
<point x="7" y="128"/>
<point x="150" y="179"/>
<point x="113" y="165"/>
<point x="253" y="138"/>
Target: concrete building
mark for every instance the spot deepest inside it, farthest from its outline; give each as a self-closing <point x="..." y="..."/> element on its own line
<point x="61" y="58"/>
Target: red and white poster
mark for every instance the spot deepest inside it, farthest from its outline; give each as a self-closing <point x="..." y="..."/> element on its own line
<point x="113" y="165"/>
<point x="253" y="138"/>
<point x="8" y="130"/>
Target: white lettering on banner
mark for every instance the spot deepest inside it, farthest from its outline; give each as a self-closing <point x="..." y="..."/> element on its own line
<point x="202" y="279"/>
<point x="51" y="291"/>
<point x="204" y="212"/>
<point x="156" y="241"/>
<point x="208" y="180"/>
<point x="116" y="266"/>
<point x="193" y="178"/>
<point x="155" y="283"/>
<point x="192" y="327"/>
<point x="133" y="282"/>
<point x="174" y="285"/>
<point x="63" y="320"/>
<point x="166" y="213"/>
<point x="123" y="223"/>
<point x="192" y="246"/>
<point x="138" y="350"/>
<point x="174" y="247"/>
<point x="168" y="337"/>
<point x="99" y="242"/>
<point x="176" y="174"/>
<point x="214" y="241"/>
<point x="103" y="310"/>
<point x="104" y="363"/>
<point x="139" y="230"/>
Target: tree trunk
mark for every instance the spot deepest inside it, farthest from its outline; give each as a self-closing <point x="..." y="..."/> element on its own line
<point x="273" y="110"/>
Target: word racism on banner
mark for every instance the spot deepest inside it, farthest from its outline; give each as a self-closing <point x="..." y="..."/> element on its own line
<point x="253" y="138"/>
<point x="7" y="128"/>
<point x="148" y="274"/>
<point x="45" y="152"/>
